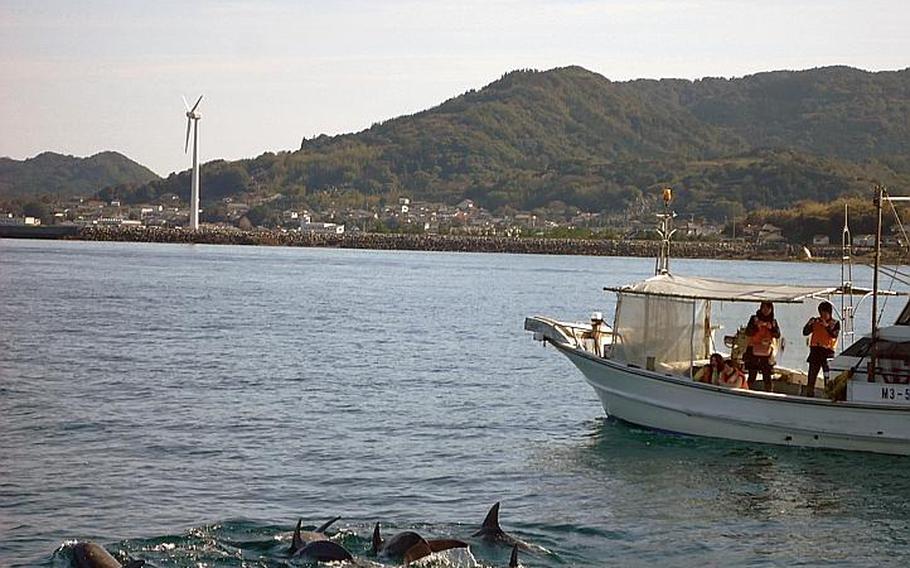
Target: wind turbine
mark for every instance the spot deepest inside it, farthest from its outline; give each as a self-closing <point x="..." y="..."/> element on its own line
<point x="192" y="120"/>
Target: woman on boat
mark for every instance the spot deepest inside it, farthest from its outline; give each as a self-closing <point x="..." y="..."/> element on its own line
<point x="720" y="372"/>
<point x="762" y="330"/>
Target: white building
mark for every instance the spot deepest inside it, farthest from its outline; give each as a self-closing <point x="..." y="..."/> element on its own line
<point x="117" y="222"/>
<point x="13" y="221"/>
<point x="322" y="228"/>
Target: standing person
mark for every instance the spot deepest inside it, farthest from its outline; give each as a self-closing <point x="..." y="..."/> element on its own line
<point x="761" y="330"/>
<point x="597" y="333"/>
<point x="822" y="332"/>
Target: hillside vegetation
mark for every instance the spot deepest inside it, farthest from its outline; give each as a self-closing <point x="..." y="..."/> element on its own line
<point x="727" y="146"/>
<point x="66" y="176"/>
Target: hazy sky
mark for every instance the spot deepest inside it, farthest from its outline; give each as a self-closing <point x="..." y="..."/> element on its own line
<point x="79" y="77"/>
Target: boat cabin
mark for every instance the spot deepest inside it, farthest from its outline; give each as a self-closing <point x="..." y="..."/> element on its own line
<point x="672" y="324"/>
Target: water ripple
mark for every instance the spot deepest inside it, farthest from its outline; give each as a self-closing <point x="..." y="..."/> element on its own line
<point x="186" y="404"/>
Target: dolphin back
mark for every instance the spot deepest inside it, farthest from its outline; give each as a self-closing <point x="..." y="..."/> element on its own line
<point x="440" y="544"/>
<point x="301" y="538"/>
<point x="324" y="551"/>
<point x="91" y="555"/>
<point x="400" y="545"/>
<point x="419" y="550"/>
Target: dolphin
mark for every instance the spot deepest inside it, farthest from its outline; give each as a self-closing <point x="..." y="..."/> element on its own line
<point x="323" y="551"/>
<point x="491" y="532"/>
<point x="315" y="545"/>
<point x="91" y="555"/>
<point x="410" y="546"/>
<point x="513" y="560"/>
<point x="302" y="538"/>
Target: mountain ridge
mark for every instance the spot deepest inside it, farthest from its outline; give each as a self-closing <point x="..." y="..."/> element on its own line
<point x="67" y="175"/>
<point x="572" y="136"/>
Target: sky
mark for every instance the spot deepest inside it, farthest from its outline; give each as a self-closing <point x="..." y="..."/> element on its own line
<point x="84" y="77"/>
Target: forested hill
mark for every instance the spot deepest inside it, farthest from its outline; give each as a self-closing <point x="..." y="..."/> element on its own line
<point x="50" y="173"/>
<point x="570" y="135"/>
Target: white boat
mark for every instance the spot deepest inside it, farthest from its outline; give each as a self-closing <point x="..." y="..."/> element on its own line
<point x="664" y="329"/>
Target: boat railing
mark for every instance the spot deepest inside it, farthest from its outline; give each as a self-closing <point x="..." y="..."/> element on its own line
<point x="576" y="335"/>
<point x="890" y="375"/>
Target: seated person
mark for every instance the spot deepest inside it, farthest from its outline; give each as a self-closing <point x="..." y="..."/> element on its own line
<point x="720" y="372"/>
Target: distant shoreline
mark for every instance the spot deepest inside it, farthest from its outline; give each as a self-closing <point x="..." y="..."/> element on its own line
<point x="438" y="243"/>
<point x="729" y="250"/>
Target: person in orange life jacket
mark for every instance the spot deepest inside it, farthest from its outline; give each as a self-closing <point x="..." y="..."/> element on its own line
<point x="761" y="330"/>
<point x="720" y="372"/>
<point x="822" y="332"/>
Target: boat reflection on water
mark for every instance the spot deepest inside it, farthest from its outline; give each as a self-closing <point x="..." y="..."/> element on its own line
<point x="774" y="499"/>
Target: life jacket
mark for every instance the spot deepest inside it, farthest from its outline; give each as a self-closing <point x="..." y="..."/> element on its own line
<point x="761" y="342"/>
<point x="820" y="336"/>
<point x="728" y="377"/>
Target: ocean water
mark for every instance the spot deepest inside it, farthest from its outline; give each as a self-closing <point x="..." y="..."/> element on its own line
<point x="187" y="404"/>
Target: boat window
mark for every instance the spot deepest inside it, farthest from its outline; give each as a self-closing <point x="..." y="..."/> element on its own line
<point x="858" y="349"/>
<point x="888" y="350"/>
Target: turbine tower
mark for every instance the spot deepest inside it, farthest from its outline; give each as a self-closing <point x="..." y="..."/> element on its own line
<point x="192" y="121"/>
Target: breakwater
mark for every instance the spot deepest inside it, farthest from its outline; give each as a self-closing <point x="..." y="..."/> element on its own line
<point x="444" y="243"/>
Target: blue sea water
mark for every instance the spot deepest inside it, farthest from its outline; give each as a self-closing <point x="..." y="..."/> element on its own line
<point x="185" y="404"/>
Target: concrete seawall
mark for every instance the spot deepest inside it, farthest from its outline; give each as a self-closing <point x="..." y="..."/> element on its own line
<point x="447" y="243"/>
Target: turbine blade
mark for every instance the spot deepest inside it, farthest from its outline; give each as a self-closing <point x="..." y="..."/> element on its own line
<point x="187" y="145"/>
<point x="186" y="105"/>
<point x="199" y="100"/>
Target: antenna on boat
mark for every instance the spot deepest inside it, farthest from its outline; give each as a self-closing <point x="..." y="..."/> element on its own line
<point x="847" y="308"/>
<point x="873" y="352"/>
<point x="665" y="230"/>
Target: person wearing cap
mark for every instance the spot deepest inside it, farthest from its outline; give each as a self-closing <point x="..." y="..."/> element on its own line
<point x="822" y="332"/>
<point x="761" y="330"/>
<point x="597" y="331"/>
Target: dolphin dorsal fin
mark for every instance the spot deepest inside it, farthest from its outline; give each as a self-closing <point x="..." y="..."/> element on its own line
<point x="325" y="526"/>
<point x="297" y="541"/>
<point x="492" y="519"/>
<point x="513" y="561"/>
<point x="377" y="540"/>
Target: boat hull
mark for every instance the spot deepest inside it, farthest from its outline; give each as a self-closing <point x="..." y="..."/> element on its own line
<point x="677" y="404"/>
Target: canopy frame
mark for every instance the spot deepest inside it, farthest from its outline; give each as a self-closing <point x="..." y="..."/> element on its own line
<point x="665" y="285"/>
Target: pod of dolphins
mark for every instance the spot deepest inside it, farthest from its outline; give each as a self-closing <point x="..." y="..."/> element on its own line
<point x="314" y="546"/>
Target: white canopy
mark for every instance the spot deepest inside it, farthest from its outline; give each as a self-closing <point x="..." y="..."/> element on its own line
<point x="709" y="289"/>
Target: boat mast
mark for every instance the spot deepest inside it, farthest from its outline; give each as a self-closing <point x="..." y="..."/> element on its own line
<point x="873" y="352"/>
<point x="847" y="308"/>
<point x="665" y="231"/>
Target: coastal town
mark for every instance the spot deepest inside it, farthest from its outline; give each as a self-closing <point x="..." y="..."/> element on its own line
<point x="408" y="217"/>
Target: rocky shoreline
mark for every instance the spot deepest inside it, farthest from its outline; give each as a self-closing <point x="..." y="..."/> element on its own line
<point x="445" y="243"/>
